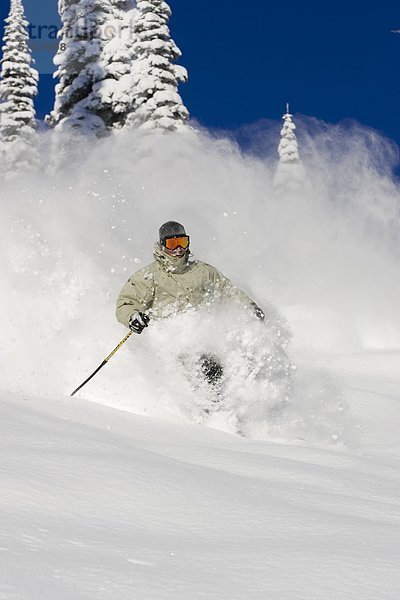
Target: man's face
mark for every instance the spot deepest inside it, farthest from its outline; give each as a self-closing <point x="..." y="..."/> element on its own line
<point x="179" y="252"/>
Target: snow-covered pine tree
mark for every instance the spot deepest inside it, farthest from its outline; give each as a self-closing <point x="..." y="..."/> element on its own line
<point x="114" y="94"/>
<point x="290" y="174"/>
<point x="82" y="39"/>
<point x="155" y="76"/>
<point x="18" y="88"/>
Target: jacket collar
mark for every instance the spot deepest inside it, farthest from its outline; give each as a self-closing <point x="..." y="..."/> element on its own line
<point x="171" y="264"/>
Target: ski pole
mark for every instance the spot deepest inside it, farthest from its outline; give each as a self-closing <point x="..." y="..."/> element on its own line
<point x="105" y="361"/>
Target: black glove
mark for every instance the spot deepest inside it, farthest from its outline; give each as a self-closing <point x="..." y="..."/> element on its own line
<point x="259" y="313"/>
<point x="138" y="322"/>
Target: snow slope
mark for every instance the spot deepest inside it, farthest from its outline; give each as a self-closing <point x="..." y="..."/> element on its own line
<point x="100" y="503"/>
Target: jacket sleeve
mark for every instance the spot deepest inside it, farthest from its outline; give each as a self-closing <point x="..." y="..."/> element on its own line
<point x="223" y="286"/>
<point x="136" y="295"/>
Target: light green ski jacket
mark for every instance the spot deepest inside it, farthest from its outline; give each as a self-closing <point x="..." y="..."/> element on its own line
<point x="170" y="285"/>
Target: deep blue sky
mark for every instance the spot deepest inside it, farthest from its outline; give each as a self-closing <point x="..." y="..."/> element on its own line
<point x="245" y="60"/>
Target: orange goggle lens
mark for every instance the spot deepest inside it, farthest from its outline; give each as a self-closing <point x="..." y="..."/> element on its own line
<point x="174" y="242"/>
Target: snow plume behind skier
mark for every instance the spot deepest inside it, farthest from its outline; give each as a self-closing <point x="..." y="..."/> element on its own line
<point x="65" y="262"/>
<point x="208" y="334"/>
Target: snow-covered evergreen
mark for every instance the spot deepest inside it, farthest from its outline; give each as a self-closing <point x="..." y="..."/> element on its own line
<point x="290" y="174"/>
<point x="155" y="76"/>
<point x="80" y="67"/>
<point x="114" y="95"/>
<point x="18" y="88"/>
<point x="116" y="67"/>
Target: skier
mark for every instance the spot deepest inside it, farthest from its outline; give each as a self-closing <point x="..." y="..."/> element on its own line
<point x="173" y="284"/>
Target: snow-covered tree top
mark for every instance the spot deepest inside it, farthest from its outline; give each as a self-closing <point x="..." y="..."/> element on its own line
<point x="18" y="83"/>
<point x="156" y="78"/>
<point x="290" y="175"/>
<point x="288" y="148"/>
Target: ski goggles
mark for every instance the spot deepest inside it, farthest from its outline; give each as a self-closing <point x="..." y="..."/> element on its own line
<point x="171" y="243"/>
